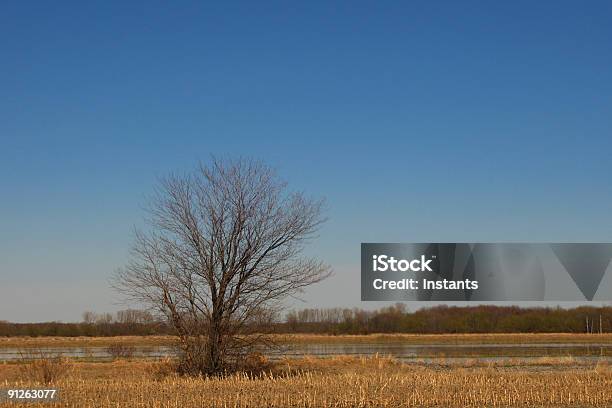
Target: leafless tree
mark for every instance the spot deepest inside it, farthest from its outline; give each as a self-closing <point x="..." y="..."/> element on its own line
<point x="104" y="318"/>
<point x="134" y="316"/>
<point x="222" y="250"/>
<point x="98" y="318"/>
<point x="89" y="317"/>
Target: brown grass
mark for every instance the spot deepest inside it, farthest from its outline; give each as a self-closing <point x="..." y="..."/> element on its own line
<point x="38" y="342"/>
<point x="488" y="338"/>
<point x="498" y="338"/>
<point x="335" y="382"/>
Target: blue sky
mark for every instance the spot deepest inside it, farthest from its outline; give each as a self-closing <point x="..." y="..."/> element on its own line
<point x="418" y="121"/>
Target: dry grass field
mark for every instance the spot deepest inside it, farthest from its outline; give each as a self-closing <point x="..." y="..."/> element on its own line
<point x="341" y="381"/>
<point x="335" y="382"/>
<point x="497" y="338"/>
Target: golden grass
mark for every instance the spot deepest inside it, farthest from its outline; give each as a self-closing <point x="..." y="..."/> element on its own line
<point x="501" y="338"/>
<point x="487" y="338"/>
<point x="335" y="382"/>
<point x="37" y="342"/>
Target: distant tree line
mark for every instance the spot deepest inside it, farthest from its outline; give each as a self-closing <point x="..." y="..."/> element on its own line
<point x="392" y="319"/>
<point x="445" y="319"/>
<point x="128" y="322"/>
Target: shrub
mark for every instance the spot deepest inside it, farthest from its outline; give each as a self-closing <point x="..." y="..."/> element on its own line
<point x="255" y="364"/>
<point x="43" y="368"/>
<point x="164" y="368"/>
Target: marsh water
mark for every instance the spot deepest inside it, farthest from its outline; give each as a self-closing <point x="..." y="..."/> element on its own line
<point x="397" y="350"/>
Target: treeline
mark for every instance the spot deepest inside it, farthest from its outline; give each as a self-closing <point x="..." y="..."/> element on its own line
<point x="393" y="319"/>
<point x="122" y="323"/>
<point x="445" y="319"/>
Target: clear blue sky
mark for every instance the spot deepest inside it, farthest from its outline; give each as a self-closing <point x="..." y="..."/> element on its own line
<point x="419" y="121"/>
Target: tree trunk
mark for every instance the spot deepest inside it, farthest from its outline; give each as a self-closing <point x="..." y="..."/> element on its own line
<point x="215" y="344"/>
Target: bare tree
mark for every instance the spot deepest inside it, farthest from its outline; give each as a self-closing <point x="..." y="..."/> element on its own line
<point x="104" y="318"/>
<point x="89" y="317"/>
<point x="222" y="251"/>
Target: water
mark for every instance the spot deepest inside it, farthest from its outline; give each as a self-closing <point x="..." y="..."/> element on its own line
<point x="416" y="351"/>
<point x="398" y="350"/>
<point x="88" y="353"/>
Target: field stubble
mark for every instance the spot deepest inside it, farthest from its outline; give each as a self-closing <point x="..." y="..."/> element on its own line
<point x="334" y="382"/>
